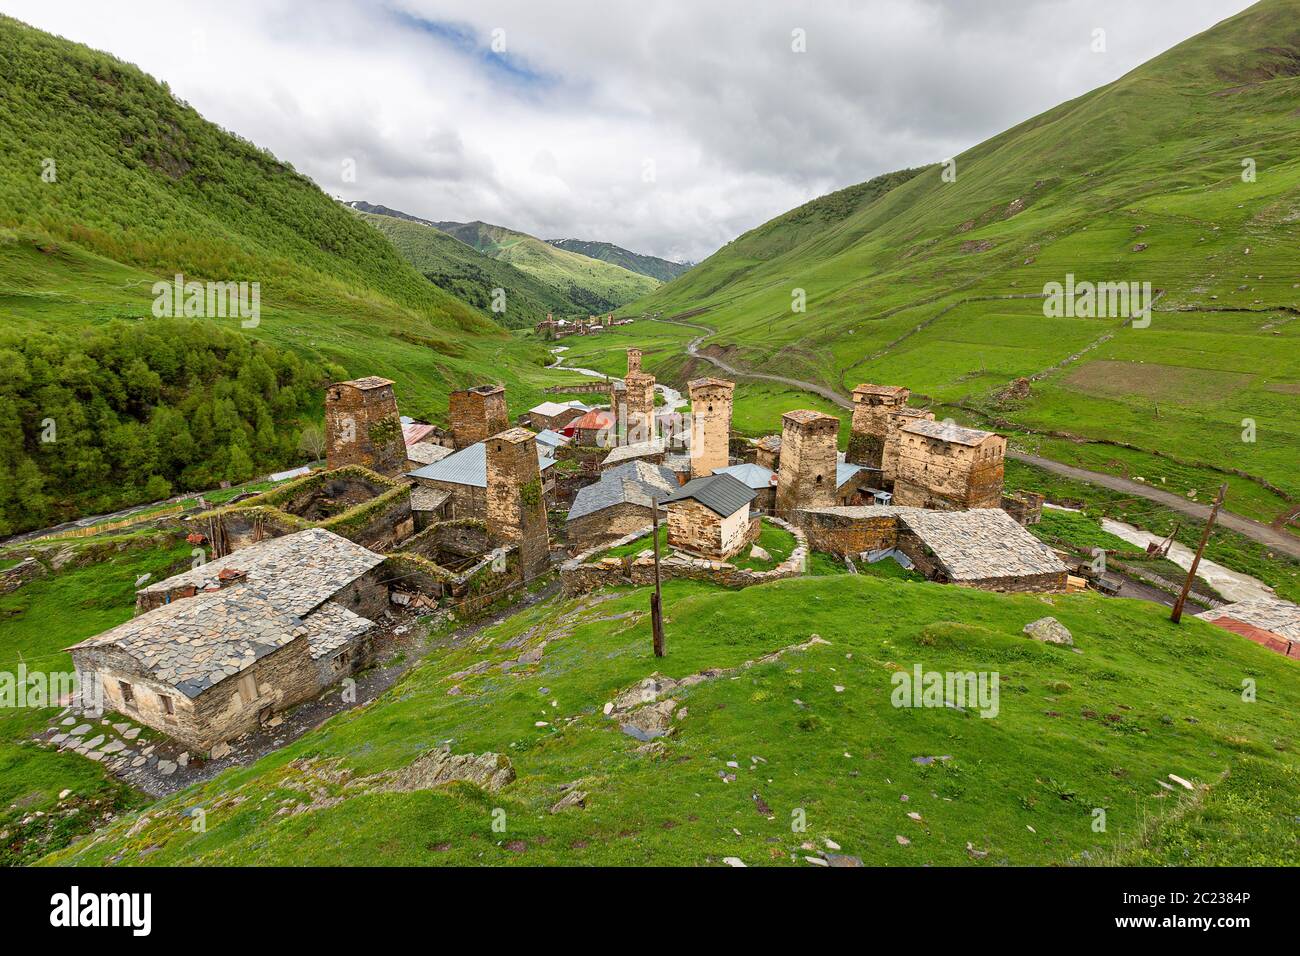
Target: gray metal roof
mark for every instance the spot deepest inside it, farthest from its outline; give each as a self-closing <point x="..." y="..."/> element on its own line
<point x="754" y="476"/>
<point x="469" y="466"/>
<point x="635" y="483"/>
<point x="720" y="493"/>
<point x="845" y="472"/>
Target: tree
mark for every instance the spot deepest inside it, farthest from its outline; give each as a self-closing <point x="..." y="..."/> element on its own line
<point x="312" y="442"/>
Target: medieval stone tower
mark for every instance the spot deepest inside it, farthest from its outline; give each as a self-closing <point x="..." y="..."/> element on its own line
<point x="516" y="510"/>
<point x="710" y="425"/>
<point x="808" y="460"/>
<point x="477" y="413"/>
<point x="633" y="360"/>
<point x="872" y="405"/>
<point x="362" y="426"/>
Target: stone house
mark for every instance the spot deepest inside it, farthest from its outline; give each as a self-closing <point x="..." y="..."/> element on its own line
<point x="758" y="479"/>
<point x="594" y="429"/>
<point x="362" y="426"/>
<point x="652" y="451"/>
<point x="555" y="415"/>
<point x="463" y="477"/>
<point x="710" y="517"/>
<point x="983" y="548"/>
<point x="619" y="503"/>
<point x="216" y="650"/>
<point x="942" y="465"/>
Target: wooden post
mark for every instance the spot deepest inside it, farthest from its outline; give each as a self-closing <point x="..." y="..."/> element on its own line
<point x="656" y="599"/>
<point x="1177" y="616"/>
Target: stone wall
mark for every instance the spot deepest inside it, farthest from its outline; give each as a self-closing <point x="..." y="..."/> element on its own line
<point x="362" y="426"/>
<point x="583" y="573"/>
<point x="609" y="524"/>
<point x="1025" y="506"/>
<point x="477" y="413"/>
<point x="841" y="535"/>
<point x="711" y="401"/>
<point x="808" y="458"/>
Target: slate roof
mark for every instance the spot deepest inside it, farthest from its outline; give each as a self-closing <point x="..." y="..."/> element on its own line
<point x="331" y="627"/>
<point x="844" y="472"/>
<point x="195" y="643"/>
<point x="753" y="476"/>
<point x="724" y="495"/>
<point x="947" y="431"/>
<point x="866" y="388"/>
<point x="980" y="543"/>
<point x="631" y="452"/>
<point x="769" y="443"/>
<point x="426" y="453"/>
<point x="428" y="499"/>
<point x="550" y="409"/>
<point x="369" y="382"/>
<point x="469" y="466"/>
<point x="298" y="570"/>
<point x="1276" y="616"/>
<point x="634" y="482"/>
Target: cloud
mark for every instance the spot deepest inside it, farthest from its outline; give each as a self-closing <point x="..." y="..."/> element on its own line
<point x="666" y="128"/>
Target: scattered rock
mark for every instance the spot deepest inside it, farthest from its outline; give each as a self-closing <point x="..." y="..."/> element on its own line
<point x="733" y="861"/>
<point x="1185" y="784"/>
<point x="574" y="798"/>
<point x="166" y="768"/>
<point x="902" y="840"/>
<point x="817" y="861"/>
<point x="1050" y="631"/>
<point x="220" y="750"/>
<point x="759" y="554"/>
<point x="837" y="859"/>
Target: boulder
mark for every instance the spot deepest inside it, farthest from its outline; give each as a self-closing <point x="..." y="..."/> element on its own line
<point x="759" y="554"/>
<point x="1050" y="631"/>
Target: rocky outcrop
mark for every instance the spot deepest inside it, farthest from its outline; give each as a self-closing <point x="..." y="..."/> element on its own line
<point x="439" y="767"/>
<point x="1050" y="631"/>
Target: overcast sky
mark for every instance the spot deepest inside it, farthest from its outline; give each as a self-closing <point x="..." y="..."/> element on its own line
<point x="665" y="126"/>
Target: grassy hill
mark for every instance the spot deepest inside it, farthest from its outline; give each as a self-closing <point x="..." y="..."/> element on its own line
<point x="109" y="184"/>
<point x="594" y="285"/>
<point x="937" y="284"/>
<point x="811" y="735"/>
<point x="470" y="275"/>
<point x="651" y="266"/>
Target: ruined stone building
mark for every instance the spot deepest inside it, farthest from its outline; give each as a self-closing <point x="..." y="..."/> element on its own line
<point x="809" y="455"/>
<point x="872" y="405"/>
<point x="982" y="548"/>
<point x="218" y="649"/>
<point x="515" y="511"/>
<point x="617" y="504"/>
<point x="896" y="420"/>
<point x="710" y="424"/>
<point x="942" y="465"/>
<point x="460" y="482"/>
<point x="710" y="517"/>
<point x="477" y="413"/>
<point x="362" y="426"/>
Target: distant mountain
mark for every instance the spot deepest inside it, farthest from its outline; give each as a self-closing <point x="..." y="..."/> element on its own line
<point x="652" y="266"/>
<point x="465" y="272"/>
<point x="594" y="285"/>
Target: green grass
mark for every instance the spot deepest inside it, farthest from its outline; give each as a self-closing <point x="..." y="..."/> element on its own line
<point x="1074" y="732"/>
<point x="37" y="622"/>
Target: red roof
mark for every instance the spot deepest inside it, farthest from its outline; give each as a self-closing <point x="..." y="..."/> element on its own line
<point x="1274" y="642"/>
<point x="594" y="419"/>
<point x="415" y="432"/>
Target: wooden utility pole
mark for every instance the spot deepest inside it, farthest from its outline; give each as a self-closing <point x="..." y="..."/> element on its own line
<point x="1191" y="572"/>
<point x="656" y="599"/>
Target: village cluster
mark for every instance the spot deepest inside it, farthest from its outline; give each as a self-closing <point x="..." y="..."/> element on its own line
<point x="303" y="581"/>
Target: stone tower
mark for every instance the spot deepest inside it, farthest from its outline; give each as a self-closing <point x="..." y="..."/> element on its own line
<point x="872" y="405"/>
<point x="710" y="425"/>
<point x="633" y="360"/>
<point x="362" y="426"/>
<point x="895" y="421"/>
<point x="516" y="510"/>
<point x="808" y="459"/>
<point x="477" y="413"/>
<point x="639" y="398"/>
